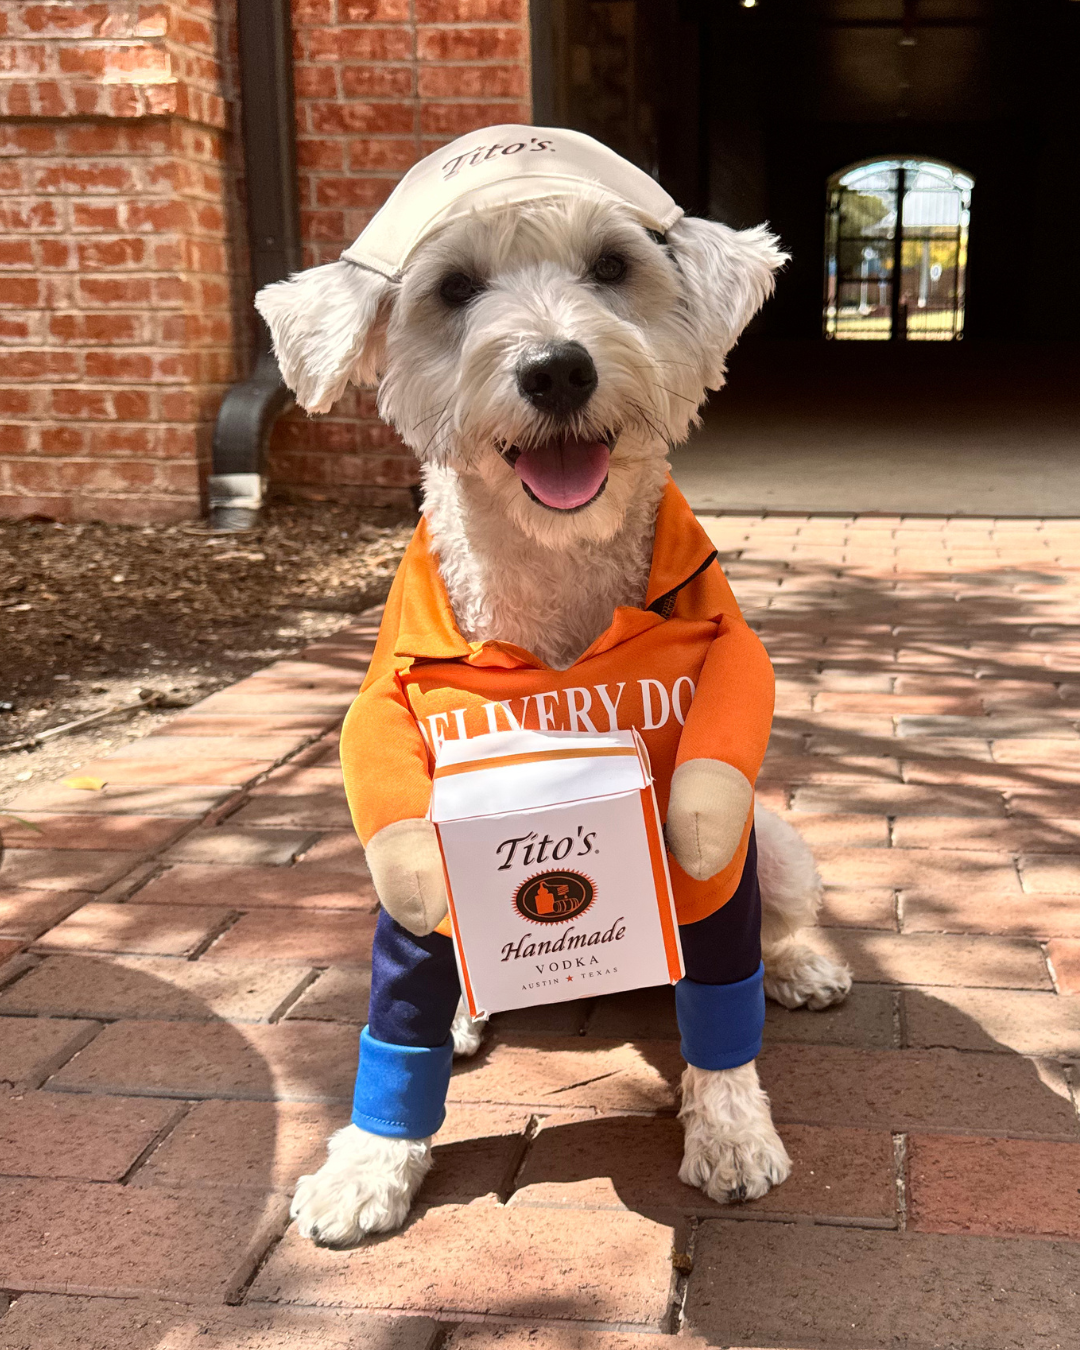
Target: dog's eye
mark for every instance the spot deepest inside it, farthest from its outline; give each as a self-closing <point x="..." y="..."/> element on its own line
<point x="609" y="268"/>
<point x="459" y="288"/>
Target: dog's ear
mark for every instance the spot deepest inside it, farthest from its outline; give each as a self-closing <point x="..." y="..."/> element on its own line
<point x="327" y="326"/>
<point x="728" y="275"/>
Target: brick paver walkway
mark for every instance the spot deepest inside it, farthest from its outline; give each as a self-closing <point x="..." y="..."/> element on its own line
<point x="184" y="982"/>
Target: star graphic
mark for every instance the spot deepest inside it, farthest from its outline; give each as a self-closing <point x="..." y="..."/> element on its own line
<point x="569" y="978"/>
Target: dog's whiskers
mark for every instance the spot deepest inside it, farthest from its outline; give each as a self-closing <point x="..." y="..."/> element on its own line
<point x="440" y="428"/>
<point x="424" y="420"/>
<point x="648" y="420"/>
<point x="675" y="394"/>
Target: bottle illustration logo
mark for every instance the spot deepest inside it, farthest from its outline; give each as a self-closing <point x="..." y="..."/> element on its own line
<point x="554" y="897"/>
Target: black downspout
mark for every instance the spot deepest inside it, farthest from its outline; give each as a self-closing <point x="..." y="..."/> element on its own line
<point x="251" y="408"/>
<point x="542" y="46"/>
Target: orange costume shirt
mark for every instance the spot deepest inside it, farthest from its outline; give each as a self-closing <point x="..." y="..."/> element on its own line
<point x="685" y="670"/>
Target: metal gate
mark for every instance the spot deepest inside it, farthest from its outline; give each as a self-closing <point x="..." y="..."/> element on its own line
<point x="896" y="251"/>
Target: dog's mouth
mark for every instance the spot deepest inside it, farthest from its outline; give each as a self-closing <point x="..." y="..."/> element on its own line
<point x="566" y="473"/>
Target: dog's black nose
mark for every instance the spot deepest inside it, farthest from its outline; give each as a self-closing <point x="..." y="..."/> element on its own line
<point x="557" y="379"/>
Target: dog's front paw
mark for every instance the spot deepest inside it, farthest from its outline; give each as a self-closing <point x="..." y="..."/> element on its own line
<point x="732" y="1151"/>
<point x="730" y="1171"/>
<point x="797" y="976"/>
<point x="365" y="1186"/>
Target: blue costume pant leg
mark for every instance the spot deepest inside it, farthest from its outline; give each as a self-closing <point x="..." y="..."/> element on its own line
<point x="721" y="1002"/>
<point x="406" y="1049"/>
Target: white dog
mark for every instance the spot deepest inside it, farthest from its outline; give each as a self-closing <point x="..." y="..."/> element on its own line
<point x="550" y="319"/>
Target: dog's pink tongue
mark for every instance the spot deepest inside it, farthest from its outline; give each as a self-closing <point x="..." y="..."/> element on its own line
<point x="564" y="473"/>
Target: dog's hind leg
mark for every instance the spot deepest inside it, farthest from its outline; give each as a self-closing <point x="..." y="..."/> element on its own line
<point x="796" y="975"/>
<point x="732" y="1151"/>
<point x="368" y="1181"/>
<point x="376" y="1164"/>
<point x="365" y="1186"/>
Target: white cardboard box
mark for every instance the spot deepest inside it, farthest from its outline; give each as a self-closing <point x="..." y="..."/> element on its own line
<point x="555" y="867"/>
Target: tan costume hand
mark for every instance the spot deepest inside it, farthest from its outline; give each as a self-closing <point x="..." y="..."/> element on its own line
<point x="706" y="816"/>
<point x="406" y="866"/>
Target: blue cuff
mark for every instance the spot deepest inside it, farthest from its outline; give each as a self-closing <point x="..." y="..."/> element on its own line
<point x="401" y="1089"/>
<point x="721" y="1024"/>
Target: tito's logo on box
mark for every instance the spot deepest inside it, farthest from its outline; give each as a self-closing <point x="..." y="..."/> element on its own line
<point x="554" y="897"/>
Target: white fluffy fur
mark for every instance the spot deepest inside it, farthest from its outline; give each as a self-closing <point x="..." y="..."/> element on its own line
<point x="796" y="975"/>
<point x="467" y="1032"/>
<point x="516" y="571"/>
<point x="731" y="1150"/>
<point x="550" y="581"/>
<point x="365" y="1186"/>
<point x="367" y="1183"/>
<point x="324" y="326"/>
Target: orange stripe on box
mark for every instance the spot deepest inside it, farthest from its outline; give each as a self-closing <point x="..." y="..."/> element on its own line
<point x="534" y="757"/>
<point x="664" y="900"/>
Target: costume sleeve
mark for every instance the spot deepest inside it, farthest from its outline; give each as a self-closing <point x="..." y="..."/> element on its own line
<point x="731" y="714"/>
<point x="384" y="758"/>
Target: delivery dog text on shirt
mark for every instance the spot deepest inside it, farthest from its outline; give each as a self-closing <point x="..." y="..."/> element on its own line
<point x="577" y="708"/>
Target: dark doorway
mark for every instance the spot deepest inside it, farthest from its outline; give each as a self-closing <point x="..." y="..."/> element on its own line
<point x="799" y="112"/>
<point x="744" y="111"/>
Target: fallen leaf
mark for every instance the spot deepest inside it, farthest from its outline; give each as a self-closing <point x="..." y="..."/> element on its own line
<point x="26" y="824"/>
<point x="86" y="784"/>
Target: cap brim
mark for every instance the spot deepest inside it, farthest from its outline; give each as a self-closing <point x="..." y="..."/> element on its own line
<point x="377" y="252"/>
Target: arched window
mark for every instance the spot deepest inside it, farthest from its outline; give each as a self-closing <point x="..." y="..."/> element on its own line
<point x="897" y="273"/>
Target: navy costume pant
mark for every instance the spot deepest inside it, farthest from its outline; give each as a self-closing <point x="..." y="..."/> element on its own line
<point x="406" y="1050"/>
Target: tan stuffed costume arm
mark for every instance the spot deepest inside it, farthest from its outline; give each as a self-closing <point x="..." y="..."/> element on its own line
<point x="387" y="773"/>
<point x="720" y="752"/>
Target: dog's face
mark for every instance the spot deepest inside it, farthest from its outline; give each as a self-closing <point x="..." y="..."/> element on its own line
<point x="550" y="353"/>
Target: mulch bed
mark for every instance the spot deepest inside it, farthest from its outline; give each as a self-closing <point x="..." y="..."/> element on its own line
<point x="89" y="614"/>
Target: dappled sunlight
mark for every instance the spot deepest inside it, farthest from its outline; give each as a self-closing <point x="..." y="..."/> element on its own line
<point x="900" y="661"/>
<point x="926" y="744"/>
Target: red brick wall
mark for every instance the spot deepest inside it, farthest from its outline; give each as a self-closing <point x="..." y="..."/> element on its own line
<point x="380" y="84"/>
<point x="122" y="278"/>
<point x="124" y="298"/>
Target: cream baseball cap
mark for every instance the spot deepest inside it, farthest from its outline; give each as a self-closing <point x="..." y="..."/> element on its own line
<point x="498" y="166"/>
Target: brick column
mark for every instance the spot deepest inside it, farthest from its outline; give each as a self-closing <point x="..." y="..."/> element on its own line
<point x="121" y="276"/>
<point x="124" y="299"/>
<point x="380" y="84"/>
